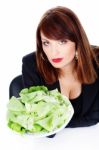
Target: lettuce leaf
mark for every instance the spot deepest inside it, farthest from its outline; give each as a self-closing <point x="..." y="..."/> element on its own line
<point x="37" y="110"/>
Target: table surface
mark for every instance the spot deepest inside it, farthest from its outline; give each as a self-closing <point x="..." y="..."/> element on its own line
<point x="86" y="138"/>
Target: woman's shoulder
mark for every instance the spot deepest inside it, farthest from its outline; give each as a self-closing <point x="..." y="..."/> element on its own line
<point x="96" y="51"/>
<point x="96" y="63"/>
<point x="29" y="58"/>
<point x="29" y="62"/>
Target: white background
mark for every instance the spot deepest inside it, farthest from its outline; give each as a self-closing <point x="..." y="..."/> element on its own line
<point x="18" y="22"/>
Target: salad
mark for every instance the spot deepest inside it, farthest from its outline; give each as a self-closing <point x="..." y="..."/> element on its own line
<point x="38" y="110"/>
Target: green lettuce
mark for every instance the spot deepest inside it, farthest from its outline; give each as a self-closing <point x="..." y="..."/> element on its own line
<point x="37" y="110"/>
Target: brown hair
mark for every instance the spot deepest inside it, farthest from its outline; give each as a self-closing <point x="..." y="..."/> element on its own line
<point x="61" y="23"/>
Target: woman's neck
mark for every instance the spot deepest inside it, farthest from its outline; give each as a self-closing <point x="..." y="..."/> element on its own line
<point x="68" y="70"/>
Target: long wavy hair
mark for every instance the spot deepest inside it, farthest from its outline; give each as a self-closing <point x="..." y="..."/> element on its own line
<point x="62" y="23"/>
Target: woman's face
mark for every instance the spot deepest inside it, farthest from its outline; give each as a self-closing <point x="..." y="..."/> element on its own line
<point x="60" y="53"/>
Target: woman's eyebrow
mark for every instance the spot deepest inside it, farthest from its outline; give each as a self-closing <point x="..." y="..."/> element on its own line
<point x="44" y="39"/>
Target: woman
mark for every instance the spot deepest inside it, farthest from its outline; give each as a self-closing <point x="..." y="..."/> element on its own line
<point x="65" y="60"/>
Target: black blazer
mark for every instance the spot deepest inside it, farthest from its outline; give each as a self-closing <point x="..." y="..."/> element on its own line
<point x="90" y="93"/>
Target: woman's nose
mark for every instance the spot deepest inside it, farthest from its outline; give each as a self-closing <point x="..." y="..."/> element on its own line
<point x="54" y="49"/>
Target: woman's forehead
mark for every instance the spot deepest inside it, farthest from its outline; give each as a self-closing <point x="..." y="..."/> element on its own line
<point x="43" y="37"/>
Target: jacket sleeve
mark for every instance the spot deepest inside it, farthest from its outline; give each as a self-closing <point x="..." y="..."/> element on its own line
<point x="88" y="119"/>
<point x="82" y="122"/>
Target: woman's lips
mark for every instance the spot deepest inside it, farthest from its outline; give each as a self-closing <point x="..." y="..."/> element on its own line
<point x="57" y="60"/>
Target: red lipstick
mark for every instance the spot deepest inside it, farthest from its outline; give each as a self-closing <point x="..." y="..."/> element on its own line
<point x="57" y="60"/>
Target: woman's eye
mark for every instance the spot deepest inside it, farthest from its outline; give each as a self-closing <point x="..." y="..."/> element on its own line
<point x="62" y="42"/>
<point x="45" y="43"/>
